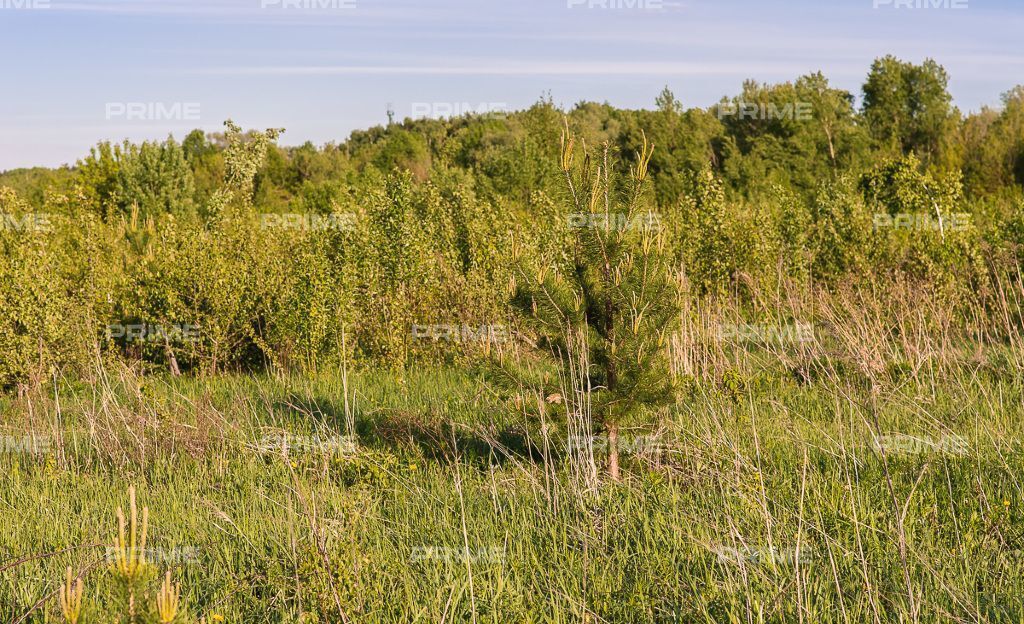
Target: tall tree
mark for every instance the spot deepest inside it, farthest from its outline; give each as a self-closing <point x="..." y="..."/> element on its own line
<point x="616" y="289"/>
<point x="994" y="145"/>
<point x="908" y="107"/>
<point x="155" y="178"/>
<point x="791" y="134"/>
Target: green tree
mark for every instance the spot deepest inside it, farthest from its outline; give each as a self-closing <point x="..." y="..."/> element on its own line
<point x="994" y="144"/>
<point x="789" y="134"/>
<point x="616" y="288"/>
<point x="206" y="162"/>
<point x="404" y="149"/>
<point x="833" y="130"/>
<point x="243" y="158"/>
<point x="667" y="102"/>
<point x="687" y="141"/>
<point x="706" y="241"/>
<point x="155" y="178"/>
<point x="840" y="230"/>
<point x="96" y="182"/>
<point x="908" y="107"/>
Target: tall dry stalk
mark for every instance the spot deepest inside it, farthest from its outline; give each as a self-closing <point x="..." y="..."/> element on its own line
<point x="577" y="393"/>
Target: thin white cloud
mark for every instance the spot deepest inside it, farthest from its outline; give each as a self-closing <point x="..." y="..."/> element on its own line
<point x="144" y="7"/>
<point x="529" y="68"/>
<point x="253" y="10"/>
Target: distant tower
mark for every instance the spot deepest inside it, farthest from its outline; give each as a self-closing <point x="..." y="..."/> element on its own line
<point x="391" y="113"/>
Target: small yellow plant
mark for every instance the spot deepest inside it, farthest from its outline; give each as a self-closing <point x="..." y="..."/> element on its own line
<point x="71" y="598"/>
<point x="643" y="160"/>
<point x="568" y="143"/>
<point x="130" y="549"/>
<point x="167" y="600"/>
<point x="129" y="553"/>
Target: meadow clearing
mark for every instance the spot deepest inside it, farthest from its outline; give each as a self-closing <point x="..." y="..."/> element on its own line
<point x="428" y="497"/>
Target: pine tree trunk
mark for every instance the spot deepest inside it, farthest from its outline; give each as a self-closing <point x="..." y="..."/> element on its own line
<point x="613" y="451"/>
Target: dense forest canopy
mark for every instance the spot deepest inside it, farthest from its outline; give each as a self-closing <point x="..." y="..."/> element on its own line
<point x="794" y="134"/>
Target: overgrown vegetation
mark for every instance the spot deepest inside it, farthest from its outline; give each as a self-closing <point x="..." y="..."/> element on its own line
<point x="274" y="252"/>
<point x="369" y="381"/>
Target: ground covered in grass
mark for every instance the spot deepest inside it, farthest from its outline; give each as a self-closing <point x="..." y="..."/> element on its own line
<point x="427" y="497"/>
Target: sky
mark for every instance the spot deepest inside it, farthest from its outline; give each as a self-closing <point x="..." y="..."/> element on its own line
<point x="78" y="72"/>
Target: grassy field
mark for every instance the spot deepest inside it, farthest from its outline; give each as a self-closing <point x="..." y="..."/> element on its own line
<point x="758" y="497"/>
<point x="753" y="359"/>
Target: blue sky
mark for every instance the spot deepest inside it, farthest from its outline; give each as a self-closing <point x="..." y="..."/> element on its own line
<point x="321" y="72"/>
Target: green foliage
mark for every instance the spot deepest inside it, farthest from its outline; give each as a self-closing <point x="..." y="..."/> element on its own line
<point x="32" y="184"/>
<point x="707" y="242"/>
<point x="257" y="536"/>
<point x="899" y="186"/>
<point x="994" y="146"/>
<point x="908" y="107"/>
<point x="97" y="180"/>
<point x="168" y="234"/>
<point x="939" y="241"/>
<point x="789" y="134"/>
<point x="453" y="222"/>
<point x="614" y="284"/>
<point x="151" y="178"/>
<point x="404" y="150"/>
<point x="155" y="179"/>
<point x="841" y="231"/>
<point x="242" y="159"/>
<point x="34" y="315"/>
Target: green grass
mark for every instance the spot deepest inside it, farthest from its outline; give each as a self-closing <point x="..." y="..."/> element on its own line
<point x="769" y="502"/>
